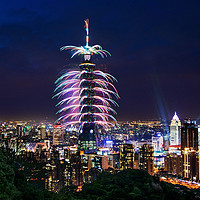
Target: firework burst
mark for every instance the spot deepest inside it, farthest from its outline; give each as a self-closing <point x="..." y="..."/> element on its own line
<point x="86" y="95"/>
<point x="86" y="50"/>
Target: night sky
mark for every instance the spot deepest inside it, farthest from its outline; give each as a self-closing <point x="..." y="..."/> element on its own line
<point x="155" y="47"/>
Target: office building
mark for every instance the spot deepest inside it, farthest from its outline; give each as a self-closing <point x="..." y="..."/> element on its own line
<point x="127" y="156"/>
<point x="146" y="158"/>
<point x="42" y="131"/>
<point x="189" y="135"/>
<point x="175" y="130"/>
<point x="57" y="135"/>
<point x="73" y="167"/>
<point x="189" y="150"/>
<point x="190" y="164"/>
<point x="173" y="164"/>
<point x="19" y="129"/>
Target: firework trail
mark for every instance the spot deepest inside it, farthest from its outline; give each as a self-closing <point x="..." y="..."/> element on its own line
<point x="86" y="50"/>
<point x="86" y="95"/>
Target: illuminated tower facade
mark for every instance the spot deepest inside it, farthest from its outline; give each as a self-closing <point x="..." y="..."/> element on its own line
<point x="146" y="158"/>
<point x="175" y="130"/>
<point x="86" y="95"/>
<point x="87" y="139"/>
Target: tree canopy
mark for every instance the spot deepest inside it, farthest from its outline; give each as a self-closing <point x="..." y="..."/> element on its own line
<point x="127" y="184"/>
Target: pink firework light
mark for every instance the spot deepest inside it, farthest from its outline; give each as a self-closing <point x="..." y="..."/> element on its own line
<point x="86" y="95"/>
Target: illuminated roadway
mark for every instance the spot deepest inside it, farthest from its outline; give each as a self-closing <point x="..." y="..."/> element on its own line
<point x="188" y="184"/>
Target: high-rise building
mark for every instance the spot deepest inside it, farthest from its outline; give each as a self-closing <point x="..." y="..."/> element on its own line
<point x="189" y="135"/>
<point x="166" y="143"/>
<point x="57" y="135"/>
<point x="175" y="130"/>
<point x="97" y="161"/>
<point x="190" y="164"/>
<point x="74" y="170"/>
<point x="173" y="164"/>
<point x="157" y="142"/>
<point x="54" y="180"/>
<point x="127" y="156"/>
<point x="146" y="158"/>
<point x="20" y="130"/>
<point x="42" y="131"/>
<point x="189" y="150"/>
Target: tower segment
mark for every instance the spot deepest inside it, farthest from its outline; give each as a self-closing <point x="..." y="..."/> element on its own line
<point x="86" y="95"/>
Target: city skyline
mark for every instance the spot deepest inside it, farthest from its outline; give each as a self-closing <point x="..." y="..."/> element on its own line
<point x="154" y="47"/>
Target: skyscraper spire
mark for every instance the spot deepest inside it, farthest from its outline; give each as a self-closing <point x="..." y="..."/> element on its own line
<point x="86" y="50"/>
<point x="87" y="31"/>
<point x="175" y="117"/>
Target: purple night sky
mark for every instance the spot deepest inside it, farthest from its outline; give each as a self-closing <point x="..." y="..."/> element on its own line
<point x="155" y="47"/>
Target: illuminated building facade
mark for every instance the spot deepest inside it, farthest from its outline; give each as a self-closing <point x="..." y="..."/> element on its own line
<point x="73" y="167"/>
<point x="42" y="131"/>
<point x="97" y="161"/>
<point x="173" y="164"/>
<point x="189" y="150"/>
<point x="166" y="143"/>
<point x="54" y="181"/>
<point x="175" y="130"/>
<point x="189" y="135"/>
<point x="87" y="139"/>
<point x="20" y="131"/>
<point x="57" y="135"/>
<point x="190" y="164"/>
<point x="94" y="164"/>
<point x="157" y="142"/>
<point x="146" y="158"/>
<point x="127" y="156"/>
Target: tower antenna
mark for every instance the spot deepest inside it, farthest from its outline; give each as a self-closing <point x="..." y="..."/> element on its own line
<point x="87" y="31"/>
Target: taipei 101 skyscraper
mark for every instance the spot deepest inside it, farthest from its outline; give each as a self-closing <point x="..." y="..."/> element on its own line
<point x="86" y="95"/>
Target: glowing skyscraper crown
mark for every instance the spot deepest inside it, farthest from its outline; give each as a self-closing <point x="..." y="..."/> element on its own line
<point x="175" y="117"/>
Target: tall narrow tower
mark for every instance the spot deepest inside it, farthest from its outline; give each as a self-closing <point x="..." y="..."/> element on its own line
<point x="175" y="130"/>
<point x="87" y="139"/>
<point x="86" y="95"/>
<point x="189" y="150"/>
